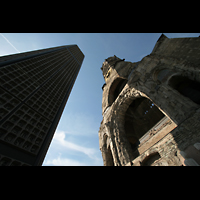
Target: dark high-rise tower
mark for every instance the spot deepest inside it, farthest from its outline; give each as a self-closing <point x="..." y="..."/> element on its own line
<point x="34" y="88"/>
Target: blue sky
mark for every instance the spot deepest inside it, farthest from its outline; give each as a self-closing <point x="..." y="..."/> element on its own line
<point x="76" y="139"/>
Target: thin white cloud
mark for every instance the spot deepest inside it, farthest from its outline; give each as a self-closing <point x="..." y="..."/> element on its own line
<point x="10" y="43"/>
<point x="59" y="138"/>
<point x="68" y="149"/>
<point x="79" y="124"/>
<point x="63" y="162"/>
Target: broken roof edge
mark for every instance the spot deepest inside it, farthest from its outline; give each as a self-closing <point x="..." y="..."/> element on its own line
<point x="160" y="40"/>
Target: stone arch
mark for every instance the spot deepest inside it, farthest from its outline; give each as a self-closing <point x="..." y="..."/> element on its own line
<point x="151" y="159"/>
<point x="186" y="87"/>
<point x="140" y="118"/>
<point x="191" y="155"/>
<point x="164" y="74"/>
<point x="115" y="89"/>
<point x="107" y="151"/>
<point x="123" y="148"/>
<point x="166" y="80"/>
<point x="124" y="145"/>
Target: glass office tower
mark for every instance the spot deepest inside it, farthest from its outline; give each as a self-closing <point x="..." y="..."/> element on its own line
<point x="34" y="88"/>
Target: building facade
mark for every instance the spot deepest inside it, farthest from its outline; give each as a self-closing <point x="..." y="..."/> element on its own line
<point x="151" y="108"/>
<point x="34" y="88"/>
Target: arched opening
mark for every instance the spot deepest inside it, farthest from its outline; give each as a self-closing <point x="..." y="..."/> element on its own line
<point x="186" y="87"/>
<point x="109" y="157"/>
<point x="191" y="155"/>
<point x="141" y="120"/>
<point x="115" y="89"/>
<point x="162" y="75"/>
<point x="108" y="154"/>
<point x="151" y="159"/>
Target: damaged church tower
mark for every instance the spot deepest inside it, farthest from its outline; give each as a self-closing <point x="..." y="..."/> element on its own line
<point x="151" y="108"/>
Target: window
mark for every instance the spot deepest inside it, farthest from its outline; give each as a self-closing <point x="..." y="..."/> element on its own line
<point x="108" y="154"/>
<point x="151" y="159"/>
<point x="186" y="87"/>
<point x="115" y="89"/>
<point x="141" y="116"/>
<point x="192" y="155"/>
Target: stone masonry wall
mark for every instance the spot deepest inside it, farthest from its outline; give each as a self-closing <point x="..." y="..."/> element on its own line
<point x="150" y="78"/>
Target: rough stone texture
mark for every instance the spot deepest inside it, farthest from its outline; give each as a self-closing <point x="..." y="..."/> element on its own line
<point x="151" y="108"/>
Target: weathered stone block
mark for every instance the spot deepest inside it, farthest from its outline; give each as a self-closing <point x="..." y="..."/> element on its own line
<point x="154" y="118"/>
